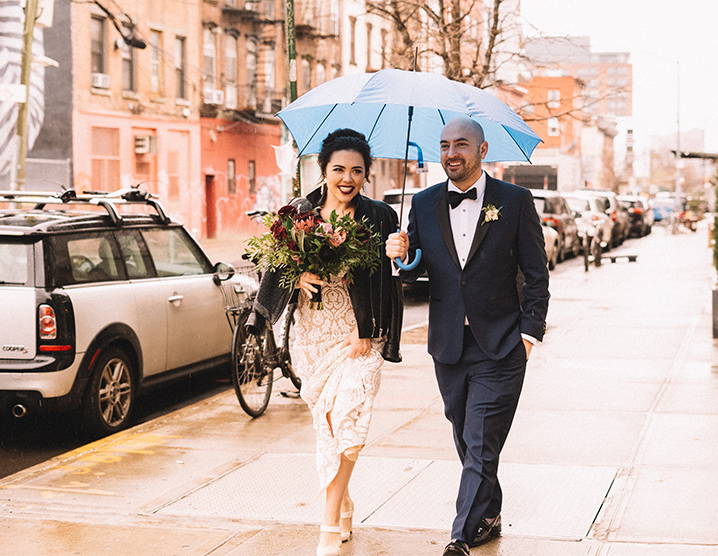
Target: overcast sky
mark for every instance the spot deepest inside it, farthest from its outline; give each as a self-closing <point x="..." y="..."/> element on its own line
<point x="661" y="36"/>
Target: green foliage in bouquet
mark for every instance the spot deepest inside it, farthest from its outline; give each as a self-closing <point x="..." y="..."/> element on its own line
<point x="299" y="242"/>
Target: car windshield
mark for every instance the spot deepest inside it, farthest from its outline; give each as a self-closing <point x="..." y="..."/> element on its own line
<point x="13" y="263"/>
<point x="578" y="205"/>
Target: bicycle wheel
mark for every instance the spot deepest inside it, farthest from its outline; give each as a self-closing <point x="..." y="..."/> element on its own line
<point x="251" y="377"/>
<point x="287" y="340"/>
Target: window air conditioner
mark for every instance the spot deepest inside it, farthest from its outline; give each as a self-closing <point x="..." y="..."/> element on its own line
<point x="145" y="144"/>
<point x="100" y="80"/>
<point x="213" y="96"/>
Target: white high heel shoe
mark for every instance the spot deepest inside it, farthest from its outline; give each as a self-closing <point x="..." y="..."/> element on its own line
<point x="347" y="533"/>
<point x="329" y="550"/>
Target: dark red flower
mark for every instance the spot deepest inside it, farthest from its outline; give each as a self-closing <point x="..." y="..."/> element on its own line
<point x="287" y="210"/>
<point x="279" y="232"/>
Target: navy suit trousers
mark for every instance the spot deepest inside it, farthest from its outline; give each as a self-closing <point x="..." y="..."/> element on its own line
<point x="480" y="399"/>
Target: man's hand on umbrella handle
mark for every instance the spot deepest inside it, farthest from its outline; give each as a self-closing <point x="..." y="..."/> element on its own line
<point x="398" y="248"/>
<point x="397" y="245"/>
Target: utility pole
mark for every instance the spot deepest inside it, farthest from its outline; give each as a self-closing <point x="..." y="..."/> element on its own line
<point x="678" y="199"/>
<point x="27" y="36"/>
<point x="292" y="56"/>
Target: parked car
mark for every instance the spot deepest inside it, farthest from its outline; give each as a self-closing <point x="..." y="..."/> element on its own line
<point x="662" y="208"/>
<point x="550" y="240"/>
<point x="638" y="210"/>
<point x="590" y="213"/>
<point x="619" y="217"/>
<point x="554" y="211"/>
<point x="104" y="305"/>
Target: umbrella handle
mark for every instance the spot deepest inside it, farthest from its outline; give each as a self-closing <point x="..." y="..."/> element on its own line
<point x="412" y="265"/>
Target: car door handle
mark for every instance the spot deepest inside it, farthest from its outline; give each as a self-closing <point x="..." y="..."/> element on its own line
<point x="176" y="298"/>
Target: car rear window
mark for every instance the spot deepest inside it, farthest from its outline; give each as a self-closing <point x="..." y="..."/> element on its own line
<point x="578" y="205"/>
<point x="14" y="259"/>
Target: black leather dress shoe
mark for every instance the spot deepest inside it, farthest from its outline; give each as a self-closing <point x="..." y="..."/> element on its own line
<point x="456" y="548"/>
<point x="487" y="532"/>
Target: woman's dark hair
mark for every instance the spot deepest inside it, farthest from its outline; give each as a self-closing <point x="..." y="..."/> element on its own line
<point x="344" y="140"/>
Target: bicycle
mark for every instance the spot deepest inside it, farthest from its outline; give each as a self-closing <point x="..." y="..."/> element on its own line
<point x="256" y="357"/>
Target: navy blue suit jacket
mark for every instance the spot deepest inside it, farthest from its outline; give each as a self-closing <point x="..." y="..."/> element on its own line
<point x="485" y="290"/>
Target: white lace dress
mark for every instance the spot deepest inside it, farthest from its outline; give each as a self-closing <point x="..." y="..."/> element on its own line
<point x="339" y="390"/>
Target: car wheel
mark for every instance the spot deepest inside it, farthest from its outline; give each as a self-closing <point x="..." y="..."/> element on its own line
<point x="559" y="251"/>
<point x="110" y="395"/>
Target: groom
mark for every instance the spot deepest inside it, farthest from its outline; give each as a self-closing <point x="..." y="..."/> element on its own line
<point x="477" y="235"/>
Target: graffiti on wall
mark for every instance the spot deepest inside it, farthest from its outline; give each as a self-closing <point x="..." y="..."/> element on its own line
<point x="11" y="30"/>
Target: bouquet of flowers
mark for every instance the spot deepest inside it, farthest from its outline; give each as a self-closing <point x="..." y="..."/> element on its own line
<point x="299" y="242"/>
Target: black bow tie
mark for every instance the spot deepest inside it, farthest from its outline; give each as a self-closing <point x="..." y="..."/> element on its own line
<point x="455" y="198"/>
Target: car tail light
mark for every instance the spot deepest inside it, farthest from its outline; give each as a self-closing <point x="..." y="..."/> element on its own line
<point x="48" y="323"/>
<point x="613" y="216"/>
<point x="595" y="217"/>
<point x="636" y="210"/>
<point x="551" y="222"/>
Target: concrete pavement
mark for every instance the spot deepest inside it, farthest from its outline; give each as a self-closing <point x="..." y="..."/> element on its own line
<point x="614" y="451"/>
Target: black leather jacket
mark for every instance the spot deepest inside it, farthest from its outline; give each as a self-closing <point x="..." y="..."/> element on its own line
<point x="377" y="299"/>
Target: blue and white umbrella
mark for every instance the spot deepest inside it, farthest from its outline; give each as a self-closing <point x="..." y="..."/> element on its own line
<point x="399" y="110"/>
<point x="377" y="105"/>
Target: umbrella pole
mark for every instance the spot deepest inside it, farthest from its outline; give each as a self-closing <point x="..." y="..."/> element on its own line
<point x="417" y="256"/>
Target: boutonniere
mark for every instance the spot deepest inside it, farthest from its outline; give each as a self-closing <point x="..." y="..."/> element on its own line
<point x="491" y="213"/>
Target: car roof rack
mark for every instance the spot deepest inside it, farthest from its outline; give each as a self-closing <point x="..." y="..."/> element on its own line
<point x="107" y="200"/>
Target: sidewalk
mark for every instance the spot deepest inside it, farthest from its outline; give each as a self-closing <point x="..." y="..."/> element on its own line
<point x="614" y="451"/>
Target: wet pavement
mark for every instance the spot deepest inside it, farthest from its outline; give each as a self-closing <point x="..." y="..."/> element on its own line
<point x="614" y="450"/>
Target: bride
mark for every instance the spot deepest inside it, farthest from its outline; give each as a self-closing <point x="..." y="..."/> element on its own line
<point x="340" y="349"/>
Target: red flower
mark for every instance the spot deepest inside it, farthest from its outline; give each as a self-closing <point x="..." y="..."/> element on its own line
<point x="279" y="232"/>
<point x="287" y="210"/>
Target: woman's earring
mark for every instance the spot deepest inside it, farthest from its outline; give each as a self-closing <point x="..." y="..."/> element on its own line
<point x="324" y="186"/>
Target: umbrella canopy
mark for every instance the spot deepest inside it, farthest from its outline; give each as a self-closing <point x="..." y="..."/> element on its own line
<point x="376" y="104"/>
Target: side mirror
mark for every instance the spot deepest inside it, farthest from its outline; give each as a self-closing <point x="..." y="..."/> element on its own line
<point x="222" y="272"/>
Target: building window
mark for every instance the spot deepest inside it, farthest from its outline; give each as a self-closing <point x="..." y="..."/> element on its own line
<point x="180" y="65"/>
<point x="231" y="177"/>
<point x="554" y="98"/>
<point x="321" y="73"/>
<point x="251" y="74"/>
<point x="553" y="127"/>
<point x="306" y="75"/>
<point x="105" y="158"/>
<point x="369" y="30"/>
<point x="252" y="177"/>
<point x="230" y="60"/>
<point x="352" y="40"/>
<point x="156" y="66"/>
<point x="269" y="55"/>
<point x="97" y="41"/>
<point x="269" y="9"/>
<point x="210" y="55"/>
<point x="129" y="82"/>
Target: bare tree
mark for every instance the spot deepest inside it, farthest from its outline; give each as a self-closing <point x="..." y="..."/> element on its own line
<point x="463" y="34"/>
